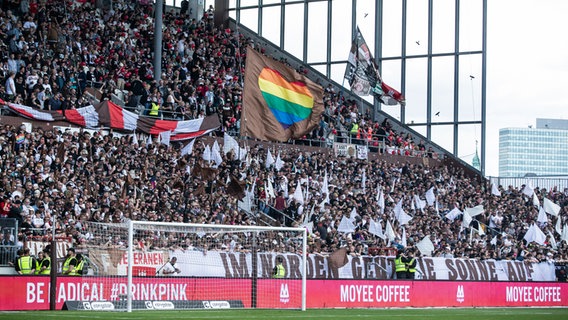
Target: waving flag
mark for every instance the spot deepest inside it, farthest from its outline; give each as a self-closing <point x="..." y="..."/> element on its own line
<point x="430" y="196"/>
<point x="376" y="229"/>
<point x="269" y="159"/>
<point x="535" y="234"/>
<point x="32" y="113"/>
<point x="188" y="149"/>
<point x="495" y="190"/>
<point x="110" y="115"/>
<point x="346" y="225"/>
<point x="85" y="117"/>
<point x="363" y="75"/>
<point x="425" y="246"/>
<point x="279" y="103"/>
<point x="551" y="207"/>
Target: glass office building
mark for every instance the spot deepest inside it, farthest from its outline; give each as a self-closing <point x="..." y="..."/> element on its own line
<point x="541" y="151"/>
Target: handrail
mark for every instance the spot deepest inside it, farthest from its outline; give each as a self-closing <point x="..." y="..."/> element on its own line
<point x="281" y="213"/>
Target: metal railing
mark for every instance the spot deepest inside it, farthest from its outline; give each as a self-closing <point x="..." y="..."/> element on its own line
<point x="546" y="182"/>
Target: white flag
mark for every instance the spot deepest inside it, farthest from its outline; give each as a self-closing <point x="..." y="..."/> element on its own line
<point x="285" y="186"/>
<point x="346" y="226"/>
<point x="403" y="239"/>
<point x="466" y="219"/>
<point x="551" y="207"/>
<point x="216" y="147"/>
<point x="389" y="232"/>
<point x="353" y="215"/>
<point x="188" y="149"/>
<point x="420" y="204"/>
<point x="397" y="209"/>
<point x="404" y="218"/>
<point x="536" y="202"/>
<point x="535" y="234"/>
<point x="452" y="215"/>
<point x="230" y="143"/>
<point x="149" y="140"/>
<point x="495" y="190"/>
<point x="494" y="241"/>
<point x="528" y="190"/>
<point x="425" y="246"/>
<point x="477" y="210"/>
<point x="242" y="154"/>
<point x="400" y="215"/>
<point x="325" y="189"/>
<point x="552" y="241"/>
<point x="542" y="218"/>
<point x="134" y="139"/>
<point x="270" y="188"/>
<point x="558" y="226"/>
<point x="430" y="197"/>
<point x="269" y="159"/>
<point x="278" y="164"/>
<point x="381" y="199"/>
<point x="298" y="195"/>
<point x="308" y="217"/>
<point x="165" y="137"/>
<point x="376" y="228"/>
<point x="207" y="154"/>
<point x="216" y="155"/>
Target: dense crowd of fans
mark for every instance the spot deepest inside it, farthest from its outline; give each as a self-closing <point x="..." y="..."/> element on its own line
<point x="49" y="64"/>
<point x="80" y="177"/>
<point x="54" y="52"/>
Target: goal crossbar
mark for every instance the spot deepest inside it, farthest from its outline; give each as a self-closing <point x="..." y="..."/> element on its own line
<point x="164" y="226"/>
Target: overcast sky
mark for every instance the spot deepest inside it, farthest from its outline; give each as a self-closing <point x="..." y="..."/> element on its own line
<point x="527" y="62"/>
<point x="527" y="67"/>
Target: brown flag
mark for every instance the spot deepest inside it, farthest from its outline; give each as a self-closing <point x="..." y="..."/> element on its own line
<point x="278" y="103"/>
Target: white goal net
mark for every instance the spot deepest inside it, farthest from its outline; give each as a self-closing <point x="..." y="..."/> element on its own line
<point x="155" y="265"/>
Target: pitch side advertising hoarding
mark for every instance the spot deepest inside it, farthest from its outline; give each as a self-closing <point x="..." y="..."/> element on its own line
<point x="32" y="293"/>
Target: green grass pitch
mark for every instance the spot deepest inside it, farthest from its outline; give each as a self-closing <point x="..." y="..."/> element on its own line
<point x="351" y="314"/>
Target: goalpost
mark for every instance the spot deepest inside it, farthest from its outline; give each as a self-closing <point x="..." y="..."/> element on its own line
<point x="164" y="265"/>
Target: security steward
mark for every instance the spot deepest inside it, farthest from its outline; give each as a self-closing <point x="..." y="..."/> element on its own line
<point x="399" y="265"/>
<point x="44" y="265"/>
<point x="70" y="263"/>
<point x="26" y="264"/>
<point x="78" y="270"/>
<point x="279" y="271"/>
<point x="410" y="266"/>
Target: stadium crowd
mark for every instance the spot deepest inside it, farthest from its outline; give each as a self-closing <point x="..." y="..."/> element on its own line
<point x="53" y="53"/>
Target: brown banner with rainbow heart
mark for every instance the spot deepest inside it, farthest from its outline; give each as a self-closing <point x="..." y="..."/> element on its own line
<point x="278" y="103"/>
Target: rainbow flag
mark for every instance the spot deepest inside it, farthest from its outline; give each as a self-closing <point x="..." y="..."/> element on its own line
<point x="290" y="102"/>
<point x="279" y="104"/>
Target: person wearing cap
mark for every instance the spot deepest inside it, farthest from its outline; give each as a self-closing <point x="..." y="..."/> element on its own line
<point x="70" y="263"/>
<point x="278" y="272"/>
